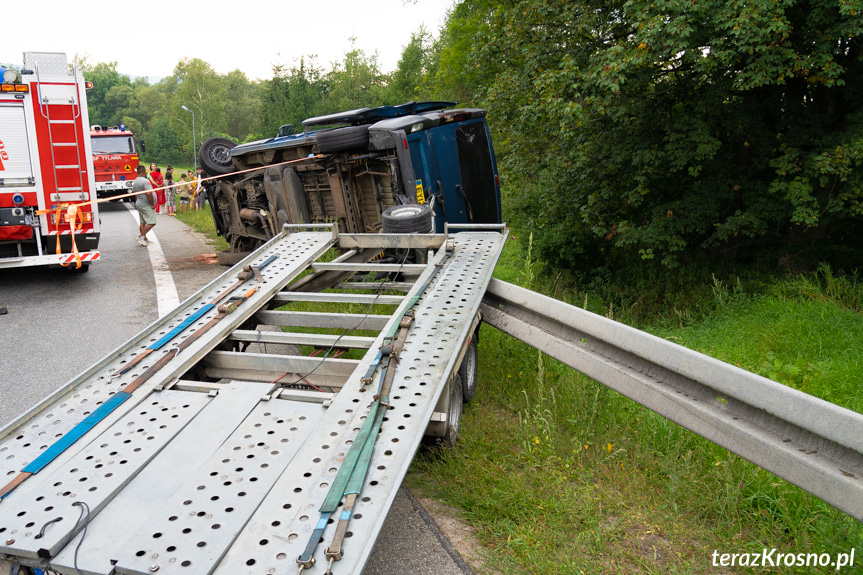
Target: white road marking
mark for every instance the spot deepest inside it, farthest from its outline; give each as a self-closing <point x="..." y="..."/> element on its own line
<point x="167" y="297"/>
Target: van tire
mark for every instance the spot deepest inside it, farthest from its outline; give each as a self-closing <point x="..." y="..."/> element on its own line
<point x="407" y="219"/>
<point x="343" y="139"/>
<point x="215" y="156"/>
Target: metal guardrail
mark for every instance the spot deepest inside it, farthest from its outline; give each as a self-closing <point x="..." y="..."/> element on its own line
<point x="809" y="442"/>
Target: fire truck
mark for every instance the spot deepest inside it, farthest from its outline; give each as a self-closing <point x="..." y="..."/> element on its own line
<point x="115" y="158"/>
<point x="46" y="167"/>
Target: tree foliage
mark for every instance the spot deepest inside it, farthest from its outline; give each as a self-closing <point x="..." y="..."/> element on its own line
<point x="662" y="130"/>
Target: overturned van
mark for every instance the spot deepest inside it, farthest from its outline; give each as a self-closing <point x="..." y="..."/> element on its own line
<point x="396" y="169"/>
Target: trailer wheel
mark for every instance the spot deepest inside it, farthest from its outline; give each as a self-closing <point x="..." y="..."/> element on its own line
<point x="453" y="413"/>
<point x="342" y="139"/>
<point x="215" y="156"/>
<point x="468" y="369"/>
<point x="407" y="219"/>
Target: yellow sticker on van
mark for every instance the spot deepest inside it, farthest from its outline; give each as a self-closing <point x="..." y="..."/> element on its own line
<point x="421" y="197"/>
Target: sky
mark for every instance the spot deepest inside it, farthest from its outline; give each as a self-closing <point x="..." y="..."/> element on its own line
<point x="150" y="38"/>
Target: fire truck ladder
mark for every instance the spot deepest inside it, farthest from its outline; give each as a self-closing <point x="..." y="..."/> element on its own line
<point x="223" y="454"/>
<point x="59" y="136"/>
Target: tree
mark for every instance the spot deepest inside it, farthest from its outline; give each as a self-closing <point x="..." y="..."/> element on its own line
<point x="163" y="143"/>
<point x="200" y="89"/>
<point x="291" y="96"/>
<point x="355" y="83"/>
<point x="659" y="130"/>
<point x="105" y="78"/>
<point x="407" y="81"/>
<point x="242" y="105"/>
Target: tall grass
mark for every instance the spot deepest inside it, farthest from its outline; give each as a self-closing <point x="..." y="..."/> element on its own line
<point x="558" y="474"/>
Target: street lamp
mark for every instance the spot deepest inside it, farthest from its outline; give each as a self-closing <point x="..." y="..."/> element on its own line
<point x="194" y="143"/>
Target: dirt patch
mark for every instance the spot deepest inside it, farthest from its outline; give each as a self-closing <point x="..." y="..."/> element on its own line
<point x="460" y="534"/>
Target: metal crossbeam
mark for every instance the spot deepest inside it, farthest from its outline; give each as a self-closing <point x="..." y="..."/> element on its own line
<point x="323" y="320"/>
<point x="314" y="339"/>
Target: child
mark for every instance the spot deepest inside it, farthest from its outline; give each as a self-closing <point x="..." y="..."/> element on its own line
<point x="185" y="193"/>
<point x="170" y="195"/>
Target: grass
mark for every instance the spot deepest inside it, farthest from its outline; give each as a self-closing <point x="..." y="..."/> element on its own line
<point x="202" y="221"/>
<point x="558" y="474"/>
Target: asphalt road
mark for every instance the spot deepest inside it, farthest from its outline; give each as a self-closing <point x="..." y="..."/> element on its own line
<point x="60" y="322"/>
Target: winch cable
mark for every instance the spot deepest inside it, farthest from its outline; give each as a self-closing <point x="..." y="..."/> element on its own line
<point x="118" y="398"/>
<point x="248" y="272"/>
<point x="352" y="473"/>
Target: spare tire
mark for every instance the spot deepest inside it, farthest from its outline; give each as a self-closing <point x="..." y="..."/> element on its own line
<point x="343" y="139"/>
<point x="407" y="219"/>
<point x="215" y="156"/>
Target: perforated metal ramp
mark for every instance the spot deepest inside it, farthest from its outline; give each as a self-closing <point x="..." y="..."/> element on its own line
<point x="219" y="459"/>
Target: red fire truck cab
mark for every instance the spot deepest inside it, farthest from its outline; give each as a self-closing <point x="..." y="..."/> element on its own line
<point x="115" y="158"/>
<point x="46" y="166"/>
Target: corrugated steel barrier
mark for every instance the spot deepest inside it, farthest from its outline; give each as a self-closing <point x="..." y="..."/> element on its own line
<point x="809" y="442"/>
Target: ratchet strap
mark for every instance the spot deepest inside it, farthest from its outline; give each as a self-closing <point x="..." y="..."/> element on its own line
<point x="352" y="473"/>
<point x="119" y="397"/>
<point x="247" y="273"/>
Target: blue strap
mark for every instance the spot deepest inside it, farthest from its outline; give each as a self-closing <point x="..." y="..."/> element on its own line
<point x="76" y="432"/>
<point x="186" y="323"/>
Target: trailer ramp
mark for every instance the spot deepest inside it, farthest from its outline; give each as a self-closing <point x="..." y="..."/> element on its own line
<point x="220" y="457"/>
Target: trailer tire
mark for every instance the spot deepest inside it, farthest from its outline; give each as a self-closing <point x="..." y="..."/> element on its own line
<point x="342" y="139"/>
<point x="468" y="369"/>
<point x="453" y="414"/>
<point x="407" y="219"/>
<point x="229" y="258"/>
<point x="215" y="156"/>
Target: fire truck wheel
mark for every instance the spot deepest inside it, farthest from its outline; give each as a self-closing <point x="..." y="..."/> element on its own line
<point x="342" y="139"/>
<point x="215" y="156"/>
<point x="229" y="258"/>
<point x="407" y="219"/>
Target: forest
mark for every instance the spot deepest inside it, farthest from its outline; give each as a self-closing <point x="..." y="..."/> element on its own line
<point x="635" y="135"/>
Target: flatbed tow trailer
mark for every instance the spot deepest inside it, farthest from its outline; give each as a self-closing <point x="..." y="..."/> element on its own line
<point x="192" y="450"/>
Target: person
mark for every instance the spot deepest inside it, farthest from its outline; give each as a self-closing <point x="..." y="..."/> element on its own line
<point x="200" y="193"/>
<point x="185" y="192"/>
<point x="145" y="204"/>
<point x="170" y="195"/>
<point x="157" y="182"/>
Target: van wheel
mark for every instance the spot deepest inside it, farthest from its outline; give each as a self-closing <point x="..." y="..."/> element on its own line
<point x="215" y="156"/>
<point x="468" y="368"/>
<point x="407" y="219"/>
<point x="342" y="139"/>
